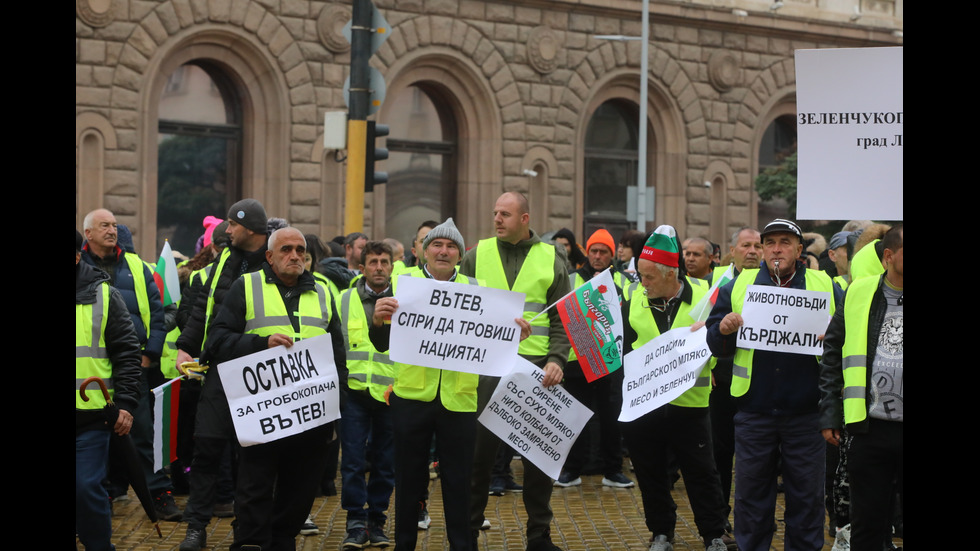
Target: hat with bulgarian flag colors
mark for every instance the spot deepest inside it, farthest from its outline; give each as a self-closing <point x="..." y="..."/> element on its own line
<point x="661" y="247"/>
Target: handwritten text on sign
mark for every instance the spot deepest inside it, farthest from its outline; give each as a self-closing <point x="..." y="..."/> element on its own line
<point x="282" y="391"/>
<point x="661" y="370"/>
<point x="540" y="423"/>
<point x="455" y="326"/>
<point x="784" y="320"/>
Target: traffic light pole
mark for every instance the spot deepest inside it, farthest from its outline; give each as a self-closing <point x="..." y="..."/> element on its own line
<point x="357" y="116"/>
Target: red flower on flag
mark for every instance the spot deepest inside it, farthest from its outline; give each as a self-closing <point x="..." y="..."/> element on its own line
<point x="602" y="289"/>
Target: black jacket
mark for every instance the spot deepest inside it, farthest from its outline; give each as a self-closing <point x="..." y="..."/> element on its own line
<point x="122" y="345"/>
<point x="831" y="370"/>
<point x="227" y="339"/>
<point x="239" y="262"/>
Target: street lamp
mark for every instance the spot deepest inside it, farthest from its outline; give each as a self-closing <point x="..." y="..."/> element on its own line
<point x="641" y="177"/>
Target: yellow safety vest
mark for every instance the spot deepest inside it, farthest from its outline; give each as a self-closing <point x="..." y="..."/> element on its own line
<point x="334" y="290"/>
<point x="456" y="390"/>
<point x="842" y="281"/>
<point x="367" y="368"/>
<point x="399" y="267"/>
<point x="168" y="359"/>
<point x="265" y="312"/>
<point x="139" y="286"/>
<point x="866" y="263"/>
<point x="854" y="353"/>
<point x="816" y="280"/>
<point x="215" y="275"/>
<point x="91" y="356"/>
<point x="641" y="320"/>
<point x="535" y="278"/>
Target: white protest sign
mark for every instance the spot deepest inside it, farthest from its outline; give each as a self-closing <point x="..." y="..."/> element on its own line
<point x="455" y="326"/>
<point x="540" y="423"/>
<point x="784" y="320"/>
<point x="849" y="121"/>
<point x="282" y="391"/>
<point x="661" y="370"/>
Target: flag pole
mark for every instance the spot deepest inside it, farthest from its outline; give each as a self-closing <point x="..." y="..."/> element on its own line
<point x="542" y="312"/>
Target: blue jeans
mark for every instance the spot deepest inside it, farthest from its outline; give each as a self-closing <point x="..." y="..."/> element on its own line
<point x="366" y="436"/>
<point x="93" y="516"/>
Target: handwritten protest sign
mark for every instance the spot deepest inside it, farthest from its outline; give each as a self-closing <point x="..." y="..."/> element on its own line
<point x="784" y="320"/>
<point x="661" y="370"/>
<point x="455" y="326"/>
<point x="282" y="391"/>
<point x="540" y="423"/>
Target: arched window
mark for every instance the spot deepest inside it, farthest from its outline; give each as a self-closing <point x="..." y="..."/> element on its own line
<point x="778" y="142"/>
<point x="610" y="165"/>
<point x="422" y="161"/>
<point x="199" y="152"/>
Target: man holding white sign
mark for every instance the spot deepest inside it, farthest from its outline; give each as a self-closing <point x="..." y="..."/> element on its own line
<point x="427" y="402"/>
<point x="264" y="310"/>
<point x="682" y="426"/>
<point x="517" y="260"/>
<point x="776" y="395"/>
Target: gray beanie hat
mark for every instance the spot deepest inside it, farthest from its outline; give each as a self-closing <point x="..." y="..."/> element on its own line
<point x="249" y="213"/>
<point x="446" y="230"/>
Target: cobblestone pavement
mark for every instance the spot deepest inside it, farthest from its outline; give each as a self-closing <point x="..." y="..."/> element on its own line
<point x="587" y="518"/>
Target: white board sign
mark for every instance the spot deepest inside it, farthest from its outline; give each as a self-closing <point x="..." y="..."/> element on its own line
<point x="282" y="391"/>
<point x="661" y="370"/>
<point x="784" y="320"/>
<point x="849" y="122"/>
<point x="540" y="423"/>
<point x="455" y="326"/>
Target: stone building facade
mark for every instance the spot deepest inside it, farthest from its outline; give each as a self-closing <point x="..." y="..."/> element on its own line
<point x="482" y="96"/>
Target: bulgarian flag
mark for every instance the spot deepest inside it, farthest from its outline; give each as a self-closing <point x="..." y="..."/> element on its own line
<point x="594" y="324"/>
<point x="702" y="309"/>
<point x="166" y="276"/>
<point x="166" y="399"/>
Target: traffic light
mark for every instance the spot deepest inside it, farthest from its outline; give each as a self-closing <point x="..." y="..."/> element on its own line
<point x="373" y="154"/>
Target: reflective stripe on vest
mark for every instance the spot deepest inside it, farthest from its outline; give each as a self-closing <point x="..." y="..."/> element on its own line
<point x="368" y="369"/>
<point x="456" y="390"/>
<point x="854" y="353"/>
<point x="816" y="280"/>
<point x="91" y="356"/>
<point x="265" y="312"/>
<point x="535" y="278"/>
<point x="215" y="275"/>
<point x="168" y="358"/>
<point x="139" y="287"/>
<point x="641" y="320"/>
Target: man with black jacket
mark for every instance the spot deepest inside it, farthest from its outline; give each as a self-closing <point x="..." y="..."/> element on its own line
<point x="277" y="306"/>
<point x="139" y="291"/>
<point x="213" y="430"/>
<point x="777" y="397"/>
<point x="112" y="353"/>
<point x="861" y="383"/>
<point x="605" y="394"/>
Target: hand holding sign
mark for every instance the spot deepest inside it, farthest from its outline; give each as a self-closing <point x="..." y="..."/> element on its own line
<point x="278" y="339"/>
<point x="540" y="422"/>
<point x="455" y="326"/>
